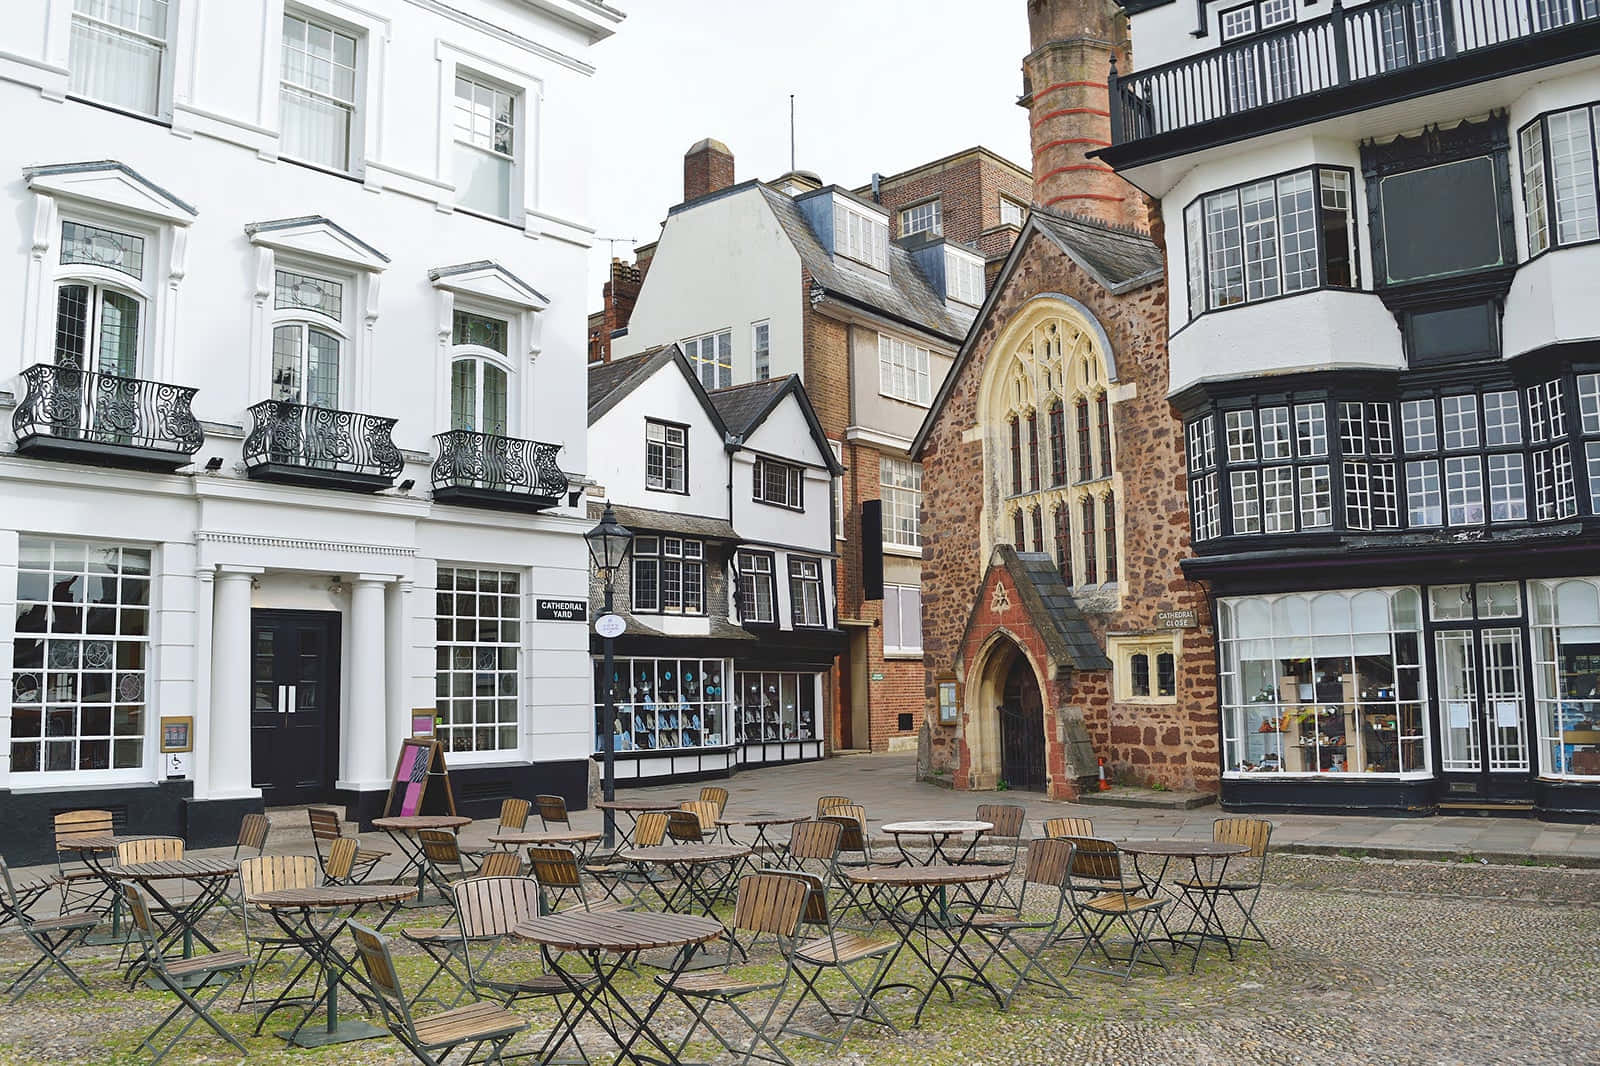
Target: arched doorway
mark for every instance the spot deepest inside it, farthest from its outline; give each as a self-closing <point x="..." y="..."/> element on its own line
<point x="1022" y="763"/>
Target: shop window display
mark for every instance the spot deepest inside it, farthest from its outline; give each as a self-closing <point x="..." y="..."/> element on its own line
<point x="1566" y="675"/>
<point x="664" y="703"/>
<point x="1326" y="682"/>
<point x="775" y="706"/>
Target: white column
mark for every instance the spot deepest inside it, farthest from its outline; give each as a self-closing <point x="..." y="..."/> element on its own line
<point x="205" y="580"/>
<point x="366" y="747"/>
<point x="229" y="776"/>
<point x="396" y="615"/>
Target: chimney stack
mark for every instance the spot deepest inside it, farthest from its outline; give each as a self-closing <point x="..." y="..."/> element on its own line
<point x="1072" y="44"/>
<point x="707" y="168"/>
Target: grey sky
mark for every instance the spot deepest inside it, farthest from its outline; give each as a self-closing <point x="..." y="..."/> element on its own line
<point x="879" y="86"/>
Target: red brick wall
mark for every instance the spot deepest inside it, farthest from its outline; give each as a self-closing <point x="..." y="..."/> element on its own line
<point x="969" y="189"/>
<point x="707" y="168"/>
<point x="1175" y="745"/>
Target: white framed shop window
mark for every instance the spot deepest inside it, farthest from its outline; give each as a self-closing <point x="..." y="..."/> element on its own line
<point x="81" y="663"/>
<point x="478" y="676"/>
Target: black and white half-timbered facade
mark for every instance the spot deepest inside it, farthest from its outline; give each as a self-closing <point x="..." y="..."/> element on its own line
<point x="729" y="594"/>
<point x="1383" y="246"/>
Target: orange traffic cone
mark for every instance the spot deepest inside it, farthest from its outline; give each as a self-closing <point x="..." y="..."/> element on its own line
<point x="1105" y="786"/>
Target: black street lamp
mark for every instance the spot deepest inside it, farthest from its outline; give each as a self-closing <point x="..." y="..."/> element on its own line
<point x="609" y="544"/>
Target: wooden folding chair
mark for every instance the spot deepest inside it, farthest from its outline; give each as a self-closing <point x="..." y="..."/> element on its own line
<point x="81" y="888"/>
<point x="52" y="938"/>
<point x="855" y="850"/>
<point x="553" y="812"/>
<point x="442" y="850"/>
<point x="189" y="979"/>
<point x="513" y="819"/>
<point x="1020" y="938"/>
<point x="1069" y="827"/>
<point x="253" y="830"/>
<point x="1000" y="846"/>
<point x="648" y="832"/>
<point x="1103" y="898"/>
<point x="685" y="827"/>
<point x="500" y="864"/>
<point x="149" y="849"/>
<point x="432" y="1038"/>
<point x="715" y="794"/>
<point x="839" y="951"/>
<point x="1241" y="879"/>
<point x="827" y="803"/>
<point x="266" y="941"/>
<point x="556" y="872"/>
<point x="770" y="903"/>
<point x="326" y="828"/>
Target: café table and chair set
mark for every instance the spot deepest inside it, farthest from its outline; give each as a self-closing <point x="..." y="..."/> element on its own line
<point x="946" y="903"/>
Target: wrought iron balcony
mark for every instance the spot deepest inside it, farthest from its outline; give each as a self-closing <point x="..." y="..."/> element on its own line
<point x="1350" y="59"/>
<point x="320" y="446"/>
<point x="68" y="413"/>
<point x="484" y="470"/>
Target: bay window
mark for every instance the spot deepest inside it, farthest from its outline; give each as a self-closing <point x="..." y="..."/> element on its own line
<point x="757" y="596"/>
<point x="663" y="703"/>
<point x="1272" y="237"/>
<point x="485" y="146"/>
<point x="1566" y="675"/>
<point x="118" y="52"/>
<point x="775" y="706"/>
<point x="1559" y="179"/>
<point x="317" y="92"/>
<point x="1328" y="682"/>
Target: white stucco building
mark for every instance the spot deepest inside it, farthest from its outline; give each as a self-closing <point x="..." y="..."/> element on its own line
<point x="290" y="441"/>
<point x="730" y="598"/>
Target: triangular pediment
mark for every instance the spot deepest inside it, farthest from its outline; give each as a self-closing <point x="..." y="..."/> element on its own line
<point x="490" y="281"/>
<point x="110" y="184"/>
<point x="319" y="238"/>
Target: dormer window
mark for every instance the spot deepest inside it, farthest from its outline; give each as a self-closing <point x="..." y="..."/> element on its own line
<point x="963" y="278"/>
<point x="860" y="236"/>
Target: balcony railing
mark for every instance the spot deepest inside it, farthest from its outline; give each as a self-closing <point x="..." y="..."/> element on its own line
<point x="485" y="470"/>
<point x="320" y="446"/>
<point x="1348" y="46"/>
<point x="79" y="414"/>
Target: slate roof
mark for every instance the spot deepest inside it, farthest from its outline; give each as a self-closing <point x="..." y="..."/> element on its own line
<point x="1051" y="608"/>
<point x="906" y="295"/>
<point x="610" y="382"/>
<point x="1119" y="259"/>
<point x="642" y="519"/>
<point x="742" y="406"/>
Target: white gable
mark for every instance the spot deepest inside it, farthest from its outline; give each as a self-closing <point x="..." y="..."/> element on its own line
<point x="110" y="184"/>
<point x="786" y="434"/>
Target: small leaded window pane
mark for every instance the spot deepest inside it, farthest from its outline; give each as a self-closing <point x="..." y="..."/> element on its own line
<point x="95" y="246"/>
<point x="303" y="292"/>
<point x="480" y="331"/>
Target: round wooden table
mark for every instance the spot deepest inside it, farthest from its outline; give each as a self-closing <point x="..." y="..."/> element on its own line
<point x="517" y="840"/>
<point x="1199" y="893"/>
<point x="631" y="808"/>
<point x="90" y="848"/>
<point x="211" y="876"/>
<point x="294" y="909"/>
<point x="620" y="934"/>
<point x="932" y="918"/>
<point x="938" y="831"/>
<point x="402" y="829"/>
<point x="761" y="822"/>
<point x="691" y="864"/>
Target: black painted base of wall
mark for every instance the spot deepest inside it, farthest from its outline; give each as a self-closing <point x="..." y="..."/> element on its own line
<point x="1402" y="799"/>
<point x="1566" y="801"/>
<point x="478" y="790"/>
<point x="27" y="832"/>
<point x="215" y="823"/>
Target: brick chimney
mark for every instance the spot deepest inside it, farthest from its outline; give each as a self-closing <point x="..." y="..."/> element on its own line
<point x="707" y="167"/>
<point x="1064" y="75"/>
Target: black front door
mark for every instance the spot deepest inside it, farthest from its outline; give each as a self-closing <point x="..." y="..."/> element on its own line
<point x="294" y="713"/>
<point x="1022" y="730"/>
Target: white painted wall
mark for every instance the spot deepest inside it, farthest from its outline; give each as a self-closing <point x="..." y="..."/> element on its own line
<point x="784" y="435"/>
<point x="722" y="264"/>
<point x="618" y="443"/>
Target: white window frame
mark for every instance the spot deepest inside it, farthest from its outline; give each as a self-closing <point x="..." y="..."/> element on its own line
<point x="518" y="626"/>
<point x="100" y="279"/>
<point x="754" y="567"/>
<point x="352" y="106"/>
<point x="529" y="93"/>
<point x="838" y="491"/>
<point x="483" y="357"/>
<point x="714" y="352"/>
<point x="963" y="277"/>
<point x="805" y="577"/>
<point x="1122" y="653"/>
<point x="861" y="236"/>
<point x="480" y="84"/>
<point x="905" y="371"/>
<point x="340" y="328"/>
<point x="164" y="41"/>
<point x="900" y="486"/>
<point x="761" y="350"/>
<point x="666" y="445"/>
<point x="1020" y="209"/>
<point x="926" y="216"/>
<point x="898" y="647"/>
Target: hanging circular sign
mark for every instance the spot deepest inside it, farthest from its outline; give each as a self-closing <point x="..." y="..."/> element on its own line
<point x="610" y="625"/>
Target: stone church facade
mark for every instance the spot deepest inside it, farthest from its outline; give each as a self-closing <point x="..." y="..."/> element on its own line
<point x="1058" y="628"/>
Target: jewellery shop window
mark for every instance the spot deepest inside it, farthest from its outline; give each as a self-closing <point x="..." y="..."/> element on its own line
<point x="775" y="706"/>
<point x="663" y="703"/>
<point x="1326" y="682"/>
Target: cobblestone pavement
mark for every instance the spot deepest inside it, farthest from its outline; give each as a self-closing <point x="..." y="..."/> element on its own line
<point x="1374" y="961"/>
